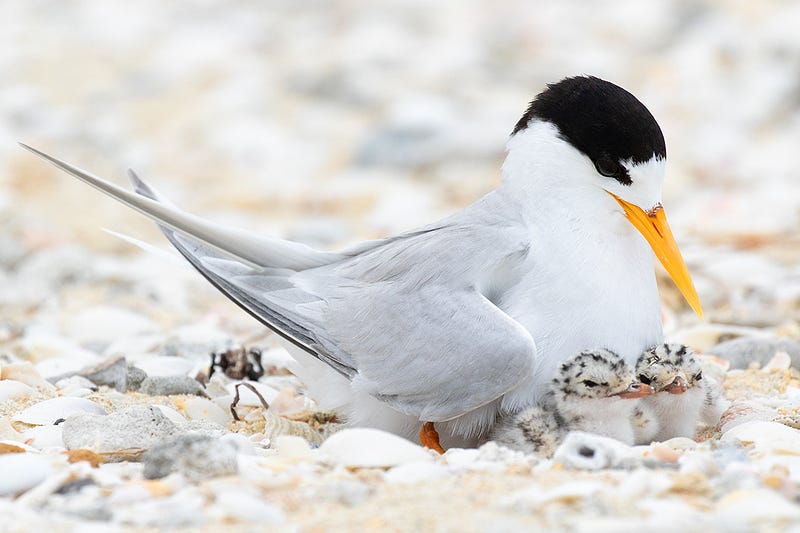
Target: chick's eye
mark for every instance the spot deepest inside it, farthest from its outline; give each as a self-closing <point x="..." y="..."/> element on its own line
<point x="644" y="379"/>
<point x="607" y="167"/>
<point x="698" y="376"/>
<point x="589" y="383"/>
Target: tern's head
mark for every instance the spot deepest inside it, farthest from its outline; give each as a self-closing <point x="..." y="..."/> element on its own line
<point x="584" y="132"/>
<point x="672" y="368"/>
<point x="596" y="374"/>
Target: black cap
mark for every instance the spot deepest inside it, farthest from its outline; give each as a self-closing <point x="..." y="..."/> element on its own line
<point x="602" y="120"/>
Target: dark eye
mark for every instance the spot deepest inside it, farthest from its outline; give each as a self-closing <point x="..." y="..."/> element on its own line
<point x="607" y="167"/>
<point x="698" y="376"/>
<point x="589" y="383"/>
<point x="644" y="379"/>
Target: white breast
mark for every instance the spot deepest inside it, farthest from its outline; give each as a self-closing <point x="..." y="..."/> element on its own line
<point x="588" y="284"/>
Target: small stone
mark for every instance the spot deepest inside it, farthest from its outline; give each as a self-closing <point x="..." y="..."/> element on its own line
<point x="129" y="431"/>
<point x="417" y="472"/>
<point x="195" y="456"/>
<point x="134" y="377"/>
<point x="370" y="448"/>
<point x="111" y="373"/>
<point x="741" y="352"/>
<point x="587" y="451"/>
<point x="171" y="385"/>
<point x="243" y="506"/>
<point x="343" y="491"/>
<point x="21" y="472"/>
<point x="48" y="411"/>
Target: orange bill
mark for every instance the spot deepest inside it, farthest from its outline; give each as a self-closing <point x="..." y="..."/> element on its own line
<point x="655" y="229"/>
<point x="635" y="390"/>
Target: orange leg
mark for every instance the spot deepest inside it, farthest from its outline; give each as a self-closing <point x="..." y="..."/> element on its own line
<point x="429" y="437"/>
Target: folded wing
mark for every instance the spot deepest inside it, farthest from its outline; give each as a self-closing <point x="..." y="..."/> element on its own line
<point x="397" y="317"/>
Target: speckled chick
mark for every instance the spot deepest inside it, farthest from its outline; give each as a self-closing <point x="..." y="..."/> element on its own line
<point x="594" y="391"/>
<point x="683" y="395"/>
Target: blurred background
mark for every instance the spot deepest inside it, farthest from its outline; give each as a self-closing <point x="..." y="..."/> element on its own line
<point x="329" y="122"/>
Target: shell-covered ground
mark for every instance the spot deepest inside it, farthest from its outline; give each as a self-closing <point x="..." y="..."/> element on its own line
<point x="331" y="122"/>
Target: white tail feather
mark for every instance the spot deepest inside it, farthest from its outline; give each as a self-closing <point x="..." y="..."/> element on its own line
<point x="254" y="250"/>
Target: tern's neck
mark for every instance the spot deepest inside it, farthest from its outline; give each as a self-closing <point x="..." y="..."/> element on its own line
<point x="548" y="183"/>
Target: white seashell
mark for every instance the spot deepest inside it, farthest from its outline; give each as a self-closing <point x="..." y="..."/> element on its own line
<point x="533" y="498"/>
<point x="164" y="365"/>
<point x="779" y="361"/>
<point x="7" y="431"/>
<point x="44" y="436"/>
<point x="48" y="411"/>
<point x="743" y="411"/>
<point x="200" y="408"/>
<point x="244" y="446"/>
<point x="370" y="448"/>
<point x="292" y="447"/>
<point x="766" y="437"/>
<point x="704" y="336"/>
<point x="43" y="345"/>
<point x="587" y="451"/>
<point x="25" y="373"/>
<point x="174" y="416"/>
<point x="680" y="443"/>
<point x="21" y="471"/>
<point x="77" y="386"/>
<point x="758" y="509"/>
<point x="68" y="364"/>
<point x="11" y="389"/>
<point x="275" y="426"/>
<point x="106" y="324"/>
<point x="248" y="397"/>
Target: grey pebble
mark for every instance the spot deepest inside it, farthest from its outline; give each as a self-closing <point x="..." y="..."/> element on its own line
<point x="195" y="456"/>
<point x="745" y="350"/>
<point x="135" y="377"/>
<point x="129" y="431"/>
<point x="111" y="373"/>
<point x="170" y="385"/>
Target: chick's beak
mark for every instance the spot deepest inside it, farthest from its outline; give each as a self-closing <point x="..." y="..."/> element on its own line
<point x="654" y="228"/>
<point x="636" y="390"/>
<point x="678" y="386"/>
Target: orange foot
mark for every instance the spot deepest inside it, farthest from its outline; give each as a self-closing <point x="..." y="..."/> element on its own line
<point x="429" y="437"/>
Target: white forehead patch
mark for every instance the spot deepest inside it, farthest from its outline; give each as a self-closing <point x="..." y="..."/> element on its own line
<point x="648" y="181"/>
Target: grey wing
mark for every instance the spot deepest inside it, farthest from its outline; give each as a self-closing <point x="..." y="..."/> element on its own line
<point x="429" y="350"/>
<point x="434" y="353"/>
<point x="385" y="321"/>
<point x="267" y="294"/>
